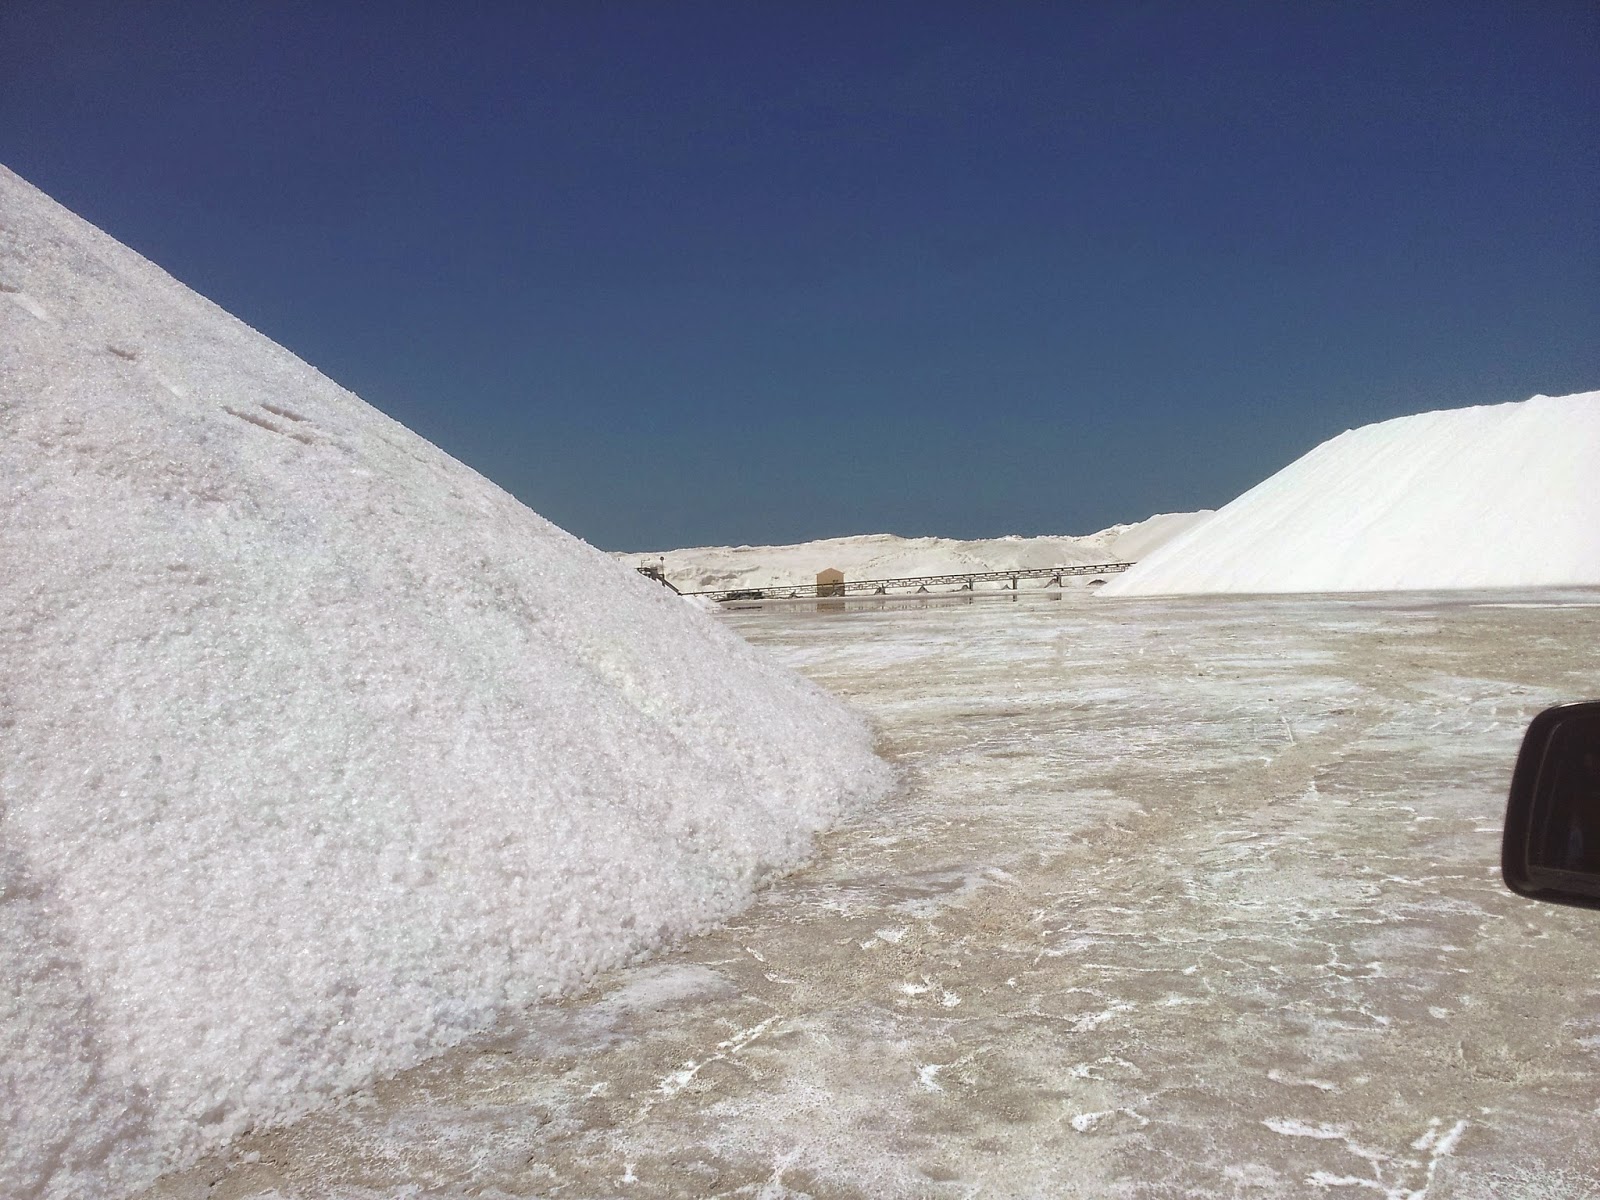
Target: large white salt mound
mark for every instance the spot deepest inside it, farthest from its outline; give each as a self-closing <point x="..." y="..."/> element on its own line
<point x="1505" y="495"/>
<point x="317" y="750"/>
<point x="886" y="556"/>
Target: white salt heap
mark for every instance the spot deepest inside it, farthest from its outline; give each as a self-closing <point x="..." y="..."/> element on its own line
<point x="1501" y="496"/>
<point x="317" y="750"/>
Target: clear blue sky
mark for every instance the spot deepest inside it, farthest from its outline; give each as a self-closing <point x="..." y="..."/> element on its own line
<point x="686" y="273"/>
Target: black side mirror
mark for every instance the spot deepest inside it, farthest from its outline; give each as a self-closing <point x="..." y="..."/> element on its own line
<point x="1552" y="840"/>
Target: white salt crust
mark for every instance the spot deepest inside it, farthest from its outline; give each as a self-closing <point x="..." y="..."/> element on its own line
<point x="317" y="750"/>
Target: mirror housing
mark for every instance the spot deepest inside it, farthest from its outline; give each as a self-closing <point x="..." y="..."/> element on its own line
<point x="1551" y="849"/>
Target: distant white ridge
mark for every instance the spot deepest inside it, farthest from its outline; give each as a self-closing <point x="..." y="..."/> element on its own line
<point x="885" y="556"/>
<point x="1500" y="496"/>
<point x="318" y="751"/>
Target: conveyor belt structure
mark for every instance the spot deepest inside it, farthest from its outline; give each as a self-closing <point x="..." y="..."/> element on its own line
<point x="1053" y="577"/>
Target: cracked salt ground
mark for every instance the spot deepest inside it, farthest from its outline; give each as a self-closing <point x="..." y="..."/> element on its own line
<point x="1192" y="898"/>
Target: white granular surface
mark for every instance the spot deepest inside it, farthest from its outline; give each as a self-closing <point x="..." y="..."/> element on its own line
<point x="317" y="750"/>
<point x="1499" y="496"/>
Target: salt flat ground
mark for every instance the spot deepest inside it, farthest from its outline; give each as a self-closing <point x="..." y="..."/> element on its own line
<point x="1178" y="898"/>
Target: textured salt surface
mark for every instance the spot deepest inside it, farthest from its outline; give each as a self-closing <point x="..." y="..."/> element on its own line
<point x="317" y="751"/>
<point x="1505" y="495"/>
<point x="1192" y="898"/>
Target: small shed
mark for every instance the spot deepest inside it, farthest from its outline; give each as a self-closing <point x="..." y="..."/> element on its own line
<point x="830" y="582"/>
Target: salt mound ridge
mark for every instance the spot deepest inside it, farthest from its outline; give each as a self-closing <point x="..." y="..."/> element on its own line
<point x="317" y="750"/>
<point x="885" y="556"/>
<point x="1500" y="496"/>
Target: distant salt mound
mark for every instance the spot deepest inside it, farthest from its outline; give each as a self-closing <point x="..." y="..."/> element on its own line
<point x="317" y="750"/>
<point x="1502" y="496"/>
<point x="885" y="556"/>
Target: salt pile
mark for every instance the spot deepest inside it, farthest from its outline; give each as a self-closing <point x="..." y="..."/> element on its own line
<point x="317" y="750"/>
<point x="885" y="556"/>
<point x="1500" y="496"/>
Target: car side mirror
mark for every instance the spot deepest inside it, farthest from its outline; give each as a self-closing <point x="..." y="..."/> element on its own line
<point x="1551" y="849"/>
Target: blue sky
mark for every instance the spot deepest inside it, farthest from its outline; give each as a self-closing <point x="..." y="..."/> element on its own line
<point x="689" y="273"/>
